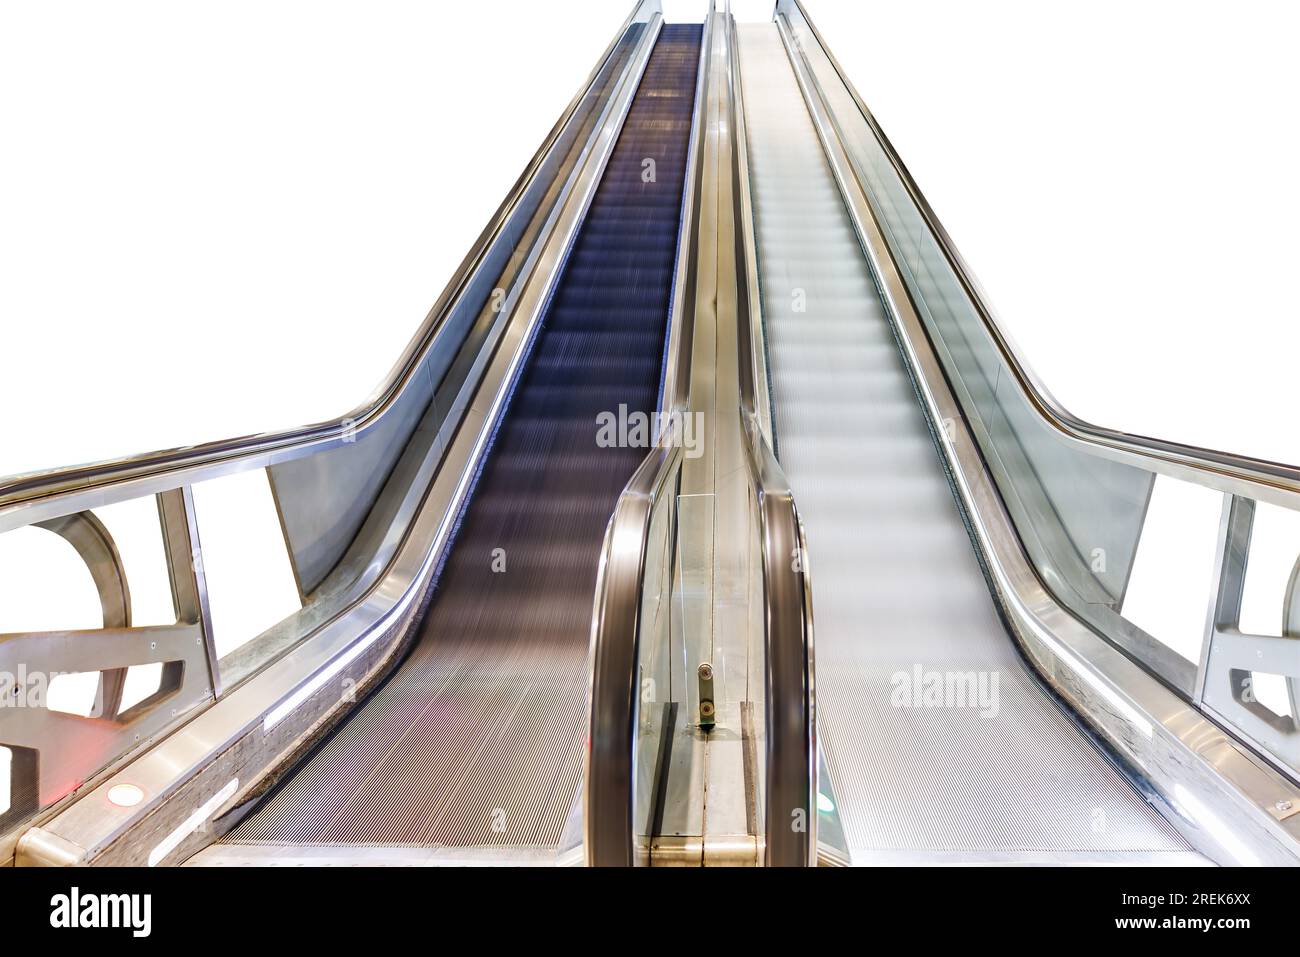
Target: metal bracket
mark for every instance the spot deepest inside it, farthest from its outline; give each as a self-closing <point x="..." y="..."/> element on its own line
<point x="708" y="710"/>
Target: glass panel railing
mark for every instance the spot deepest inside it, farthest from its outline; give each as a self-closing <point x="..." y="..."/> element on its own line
<point x="1089" y="523"/>
<point x="664" y="692"/>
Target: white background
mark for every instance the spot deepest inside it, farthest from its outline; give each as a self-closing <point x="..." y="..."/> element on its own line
<point x="225" y="219"/>
<point x="220" y="219"/>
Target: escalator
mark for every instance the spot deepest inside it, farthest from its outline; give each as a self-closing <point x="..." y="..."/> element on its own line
<point x="716" y="238"/>
<point x="902" y="605"/>
<point x="475" y="741"/>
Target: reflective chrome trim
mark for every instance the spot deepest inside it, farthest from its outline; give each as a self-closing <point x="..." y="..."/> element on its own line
<point x="790" y="826"/>
<point x="613" y="692"/>
<point x="677" y="374"/>
<point x="755" y="389"/>
<point x="790" y="802"/>
<point x="1217" y="792"/>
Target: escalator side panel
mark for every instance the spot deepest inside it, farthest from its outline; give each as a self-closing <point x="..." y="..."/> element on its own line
<point x="476" y="740"/>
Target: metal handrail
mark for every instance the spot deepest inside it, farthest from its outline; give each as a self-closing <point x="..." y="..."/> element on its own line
<point x="1240" y="474"/>
<point x="27" y="487"/>
<point x="791" y="781"/>
<point x="790" y="826"/>
<point x="609" y="774"/>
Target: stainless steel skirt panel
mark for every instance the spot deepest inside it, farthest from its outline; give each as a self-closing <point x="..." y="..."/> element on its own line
<point x="901" y="604"/>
